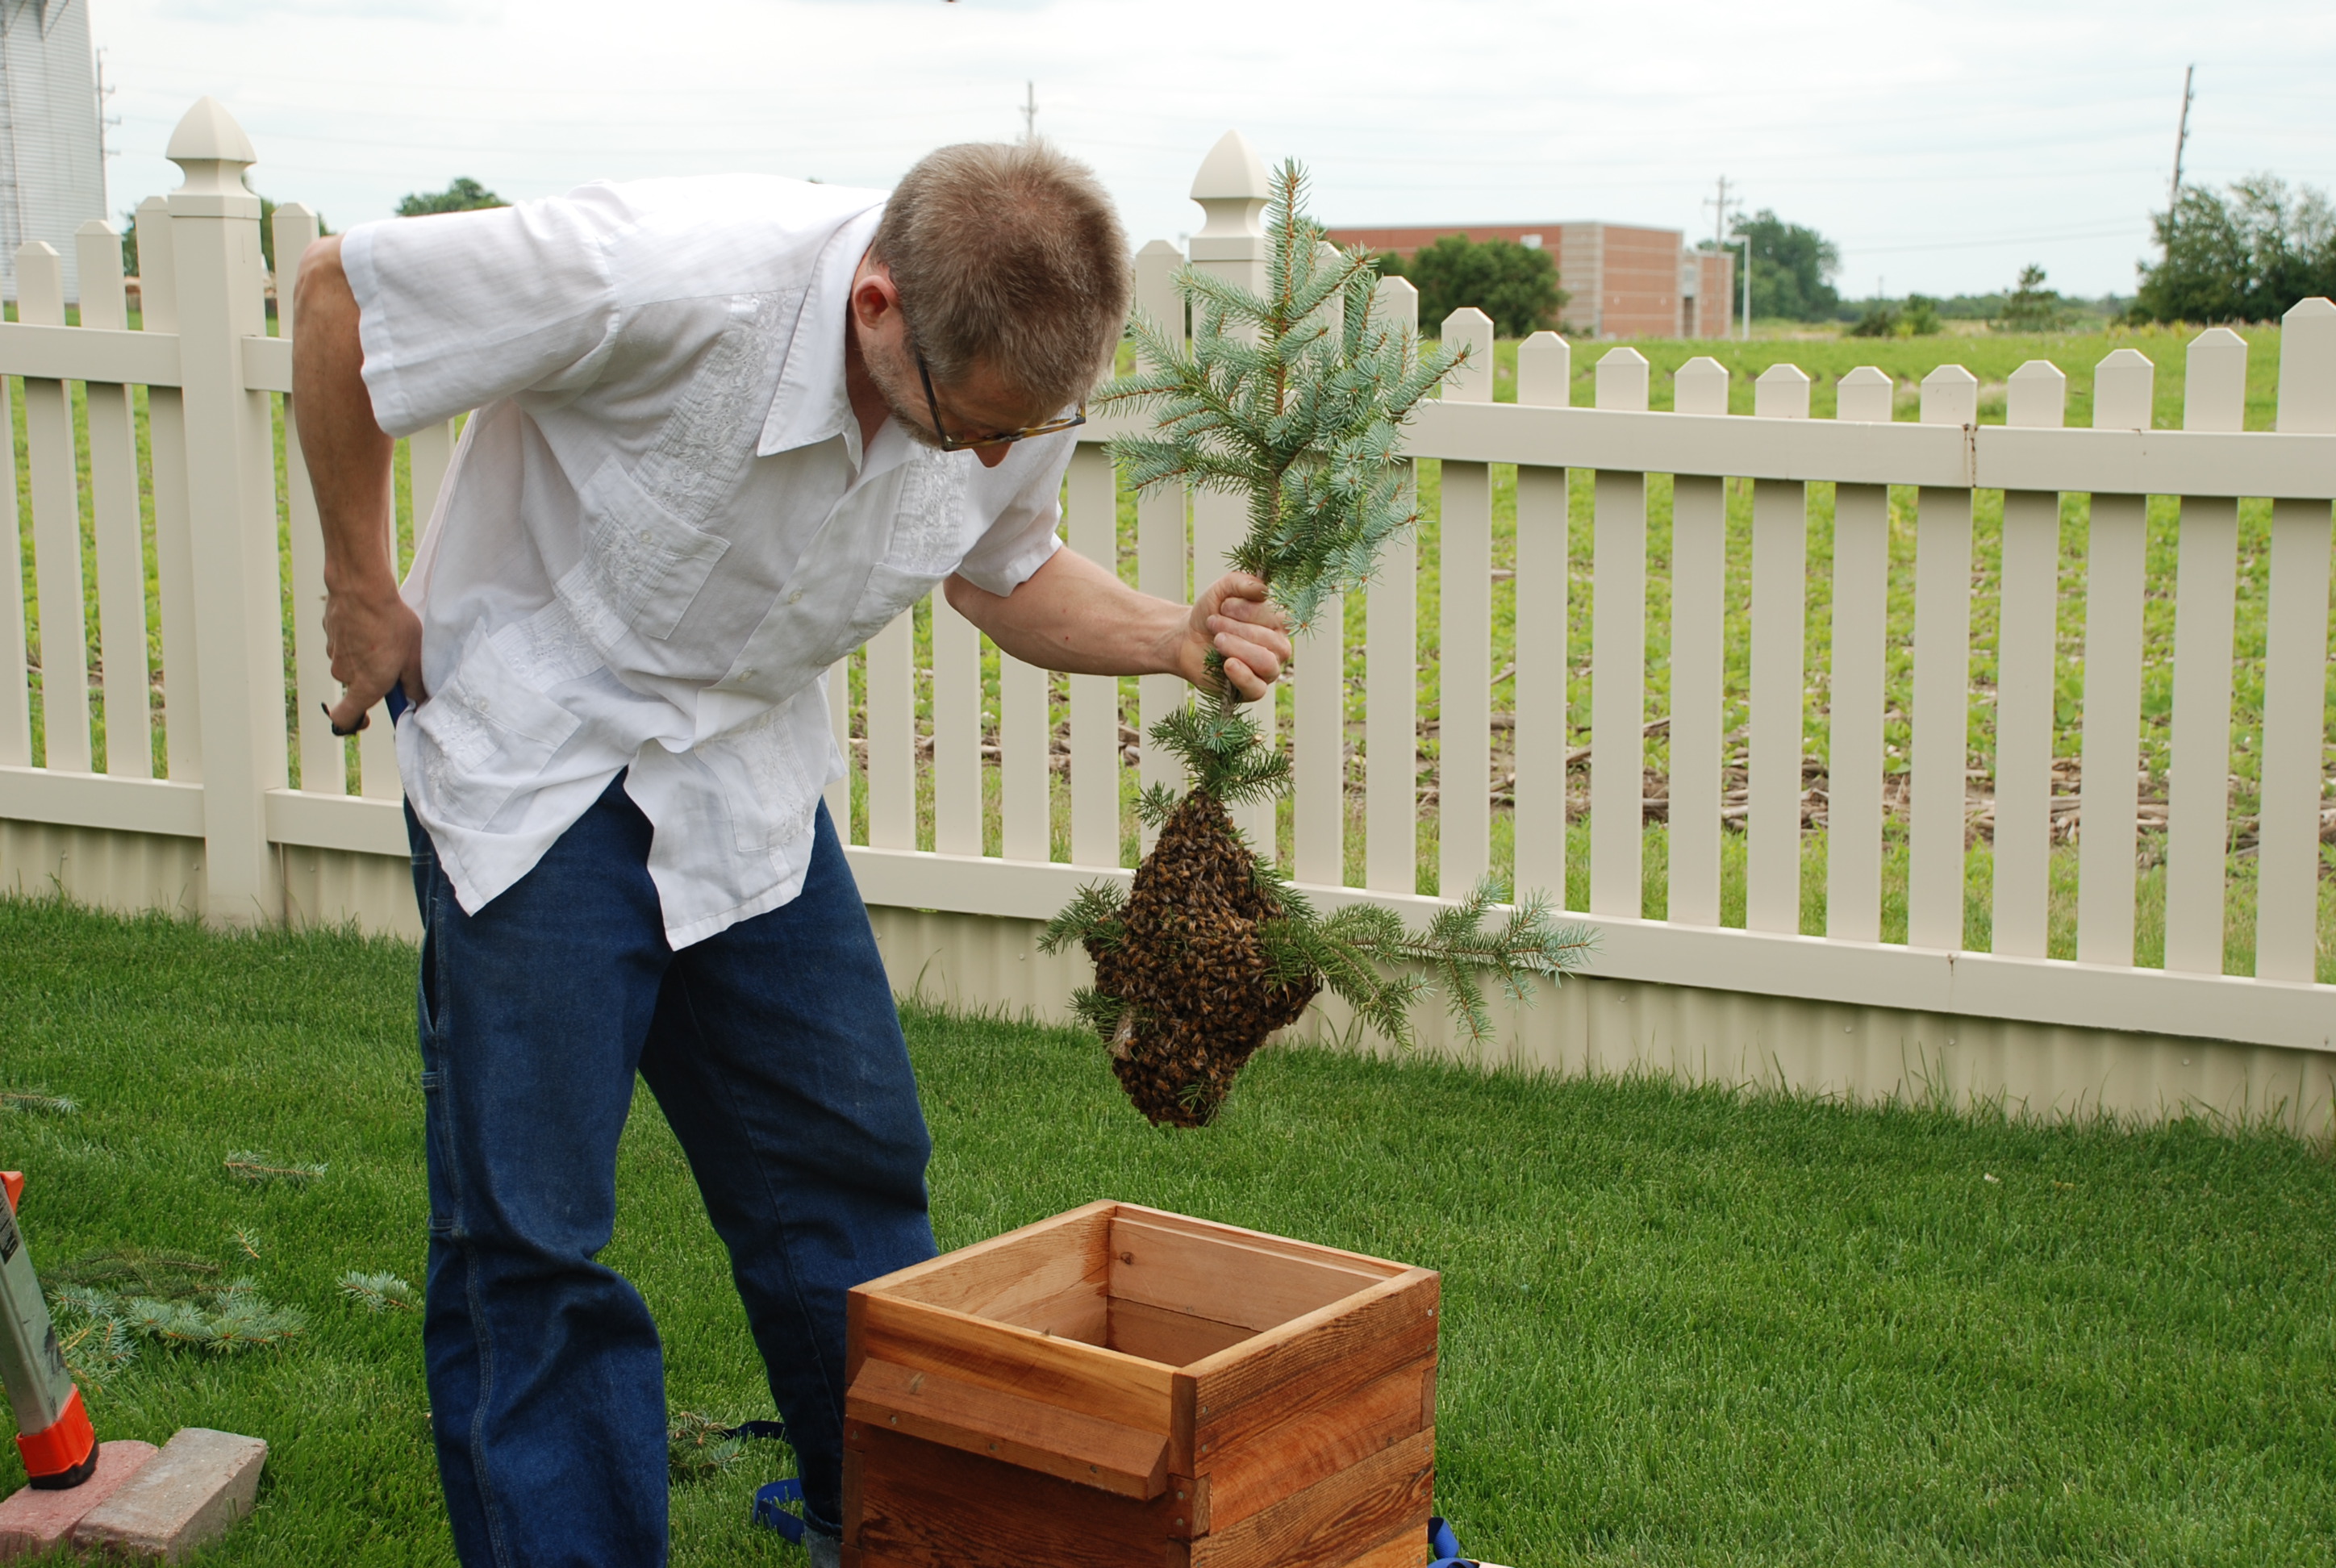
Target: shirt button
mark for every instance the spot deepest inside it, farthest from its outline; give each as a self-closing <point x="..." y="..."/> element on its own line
<point x="796" y="597"/>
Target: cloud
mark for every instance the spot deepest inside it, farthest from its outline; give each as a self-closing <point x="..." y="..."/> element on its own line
<point x="245" y="12"/>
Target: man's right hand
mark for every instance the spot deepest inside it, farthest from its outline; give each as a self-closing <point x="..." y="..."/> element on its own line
<point x="375" y="639"/>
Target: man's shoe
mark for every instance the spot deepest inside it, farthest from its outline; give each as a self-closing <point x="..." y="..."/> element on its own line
<point x="826" y="1550"/>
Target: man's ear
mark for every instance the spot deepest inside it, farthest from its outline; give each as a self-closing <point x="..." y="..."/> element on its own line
<point x="874" y="294"/>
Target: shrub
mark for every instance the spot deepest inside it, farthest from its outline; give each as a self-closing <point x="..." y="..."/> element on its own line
<point x="1516" y="285"/>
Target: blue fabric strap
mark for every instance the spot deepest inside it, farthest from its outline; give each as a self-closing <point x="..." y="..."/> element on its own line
<point x="1445" y="1547"/>
<point x="770" y="1508"/>
<point x="771" y="1501"/>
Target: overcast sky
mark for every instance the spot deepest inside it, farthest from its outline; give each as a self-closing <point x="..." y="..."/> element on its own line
<point x="1940" y="146"/>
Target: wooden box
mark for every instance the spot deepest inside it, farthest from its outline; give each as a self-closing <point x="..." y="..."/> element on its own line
<point x="1122" y="1386"/>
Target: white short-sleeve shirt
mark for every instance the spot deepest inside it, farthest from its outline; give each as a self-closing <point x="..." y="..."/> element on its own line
<point x="660" y="528"/>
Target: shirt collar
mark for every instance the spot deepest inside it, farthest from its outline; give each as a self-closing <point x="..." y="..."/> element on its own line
<point x="811" y="404"/>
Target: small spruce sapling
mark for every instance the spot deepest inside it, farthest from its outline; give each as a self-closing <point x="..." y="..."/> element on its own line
<point x="1296" y="401"/>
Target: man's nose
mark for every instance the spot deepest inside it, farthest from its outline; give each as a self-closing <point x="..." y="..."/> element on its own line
<point x="991" y="456"/>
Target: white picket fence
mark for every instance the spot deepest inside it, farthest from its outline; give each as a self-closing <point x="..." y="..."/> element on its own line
<point x="223" y="835"/>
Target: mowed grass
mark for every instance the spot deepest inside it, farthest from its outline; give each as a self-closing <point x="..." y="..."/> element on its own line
<point x="1681" y="1326"/>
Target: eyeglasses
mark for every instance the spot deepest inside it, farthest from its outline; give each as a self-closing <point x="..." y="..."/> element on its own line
<point x="1004" y="438"/>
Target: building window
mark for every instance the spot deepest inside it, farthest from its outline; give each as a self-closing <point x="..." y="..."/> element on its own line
<point x="1529" y="241"/>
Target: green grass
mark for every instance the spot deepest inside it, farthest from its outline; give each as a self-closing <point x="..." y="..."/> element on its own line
<point x="1682" y="1326"/>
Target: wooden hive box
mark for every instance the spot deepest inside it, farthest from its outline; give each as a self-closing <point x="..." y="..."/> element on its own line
<point x="1122" y="1386"/>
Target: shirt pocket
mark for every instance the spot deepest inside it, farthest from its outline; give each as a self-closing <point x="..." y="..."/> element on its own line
<point x="486" y="734"/>
<point x="646" y="564"/>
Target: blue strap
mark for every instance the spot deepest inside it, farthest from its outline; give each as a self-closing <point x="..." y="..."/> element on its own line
<point x="1446" y="1545"/>
<point x="770" y="1510"/>
<point x="771" y="1501"/>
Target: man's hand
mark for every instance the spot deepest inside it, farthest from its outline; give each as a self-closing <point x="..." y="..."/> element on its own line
<point x="375" y="639"/>
<point x="1233" y="617"/>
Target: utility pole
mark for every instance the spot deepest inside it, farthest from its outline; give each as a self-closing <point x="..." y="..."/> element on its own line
<point x="103" y="120"/>
<point x="2181" y="140"/>
<point x="1031" y="111"/>
<point x="1721" y="205"/>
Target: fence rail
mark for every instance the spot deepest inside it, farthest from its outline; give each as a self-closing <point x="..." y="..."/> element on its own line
<point x="201" y="447"/>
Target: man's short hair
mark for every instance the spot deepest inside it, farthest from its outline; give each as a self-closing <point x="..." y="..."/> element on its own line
<point x="1008" y="256"/>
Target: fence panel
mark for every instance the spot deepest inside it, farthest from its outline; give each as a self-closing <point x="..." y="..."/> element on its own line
<point x="1544" y="378"/>
<point x="892" y="737"/>
<point x="1780" y="550"/>
<point x="1861" y="629"/>
<point x="2206" y="584"/>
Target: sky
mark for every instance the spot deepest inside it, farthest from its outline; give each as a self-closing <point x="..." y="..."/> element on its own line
<point x="1941" y="148"/>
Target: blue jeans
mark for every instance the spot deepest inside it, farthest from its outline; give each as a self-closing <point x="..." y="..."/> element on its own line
<point x="776" y="1055"/>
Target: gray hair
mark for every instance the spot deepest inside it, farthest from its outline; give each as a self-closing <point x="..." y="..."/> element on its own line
<point x="1008" y="256"/>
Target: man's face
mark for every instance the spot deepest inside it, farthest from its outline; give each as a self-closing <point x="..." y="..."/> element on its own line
<point x="977" y="406"/>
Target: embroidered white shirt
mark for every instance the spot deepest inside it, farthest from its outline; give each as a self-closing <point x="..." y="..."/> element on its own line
<point x="660" y="528"/>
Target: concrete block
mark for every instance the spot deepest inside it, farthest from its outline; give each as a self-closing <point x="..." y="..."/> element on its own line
<point x="183" y="1498"/>
<point x="34" y="1521"/>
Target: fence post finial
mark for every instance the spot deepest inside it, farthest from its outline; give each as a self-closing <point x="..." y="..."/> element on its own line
<point x="213" y="151"/>
<point x="2307" y="367"/>
<point x="1231" y="187"/>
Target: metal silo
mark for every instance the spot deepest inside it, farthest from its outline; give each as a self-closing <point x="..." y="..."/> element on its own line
<point x="51" y="171"/>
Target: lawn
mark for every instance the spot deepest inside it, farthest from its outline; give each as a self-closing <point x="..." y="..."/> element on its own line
<point x="1683" y="1326"/>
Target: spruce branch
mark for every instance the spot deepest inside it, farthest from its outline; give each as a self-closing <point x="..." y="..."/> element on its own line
<point x="380" y="1292"/>
<point x="1093" y="915"/>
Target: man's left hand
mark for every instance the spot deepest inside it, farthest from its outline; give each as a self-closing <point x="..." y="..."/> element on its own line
<point x="1234" y="617"/>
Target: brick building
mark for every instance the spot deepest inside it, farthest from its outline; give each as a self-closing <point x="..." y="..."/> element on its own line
<point x="1620" y="281"/>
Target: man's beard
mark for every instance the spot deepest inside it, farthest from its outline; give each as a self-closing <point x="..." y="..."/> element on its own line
<point x="903" y="390"/>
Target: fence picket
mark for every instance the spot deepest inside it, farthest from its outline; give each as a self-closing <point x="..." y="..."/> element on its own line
<point x="2295" y="655"/>
<point x="1025" y="829"/>
<point x="56" y="524"/>
<point x="1699" y="660"/>
<point x="2116" y="561"/>
<point x="1544" y="378"/>
<point x="15" y="688"/>
<point x="2197" y="791"/>
<point x="324" y="756"/>
<point x="1618" y="660"/>
<point x="174" y="563"/>
<point x="114" y="508"/>
<point x="893" y="736"/>
<point x="1780" y="545"/>
<point x="1094" y="698"/>
<point x="1942" y="713"/>
<point x="1160" y="568"/>
<point x="956" y="731"/>
<point x="838" y="794"/>
<point x="2026" y="653"/>
<point x="1464" y="767"/>
<point x="1390" y="671"/>
<point x="1853" y="695"/>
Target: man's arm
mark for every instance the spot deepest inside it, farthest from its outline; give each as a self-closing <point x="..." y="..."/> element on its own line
<point x="374" y="638"/>
<point x="1072" y="615"/>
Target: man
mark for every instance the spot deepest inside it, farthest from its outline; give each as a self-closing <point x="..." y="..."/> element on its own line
<point x="725" y="430"/>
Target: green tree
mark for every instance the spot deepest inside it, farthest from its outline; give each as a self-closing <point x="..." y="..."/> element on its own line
<point x="1293" y="399"/>
<point x="1516" y="285"/>
<point x="1921" y="317"/>
<point x="465" y="195"/>
<point x="2247" y="254"/>
<point x="1792" y="268"/>
<point x="2032" y="308"/>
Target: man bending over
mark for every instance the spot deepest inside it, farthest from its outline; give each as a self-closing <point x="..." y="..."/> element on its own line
<point x="724" y="430"/>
